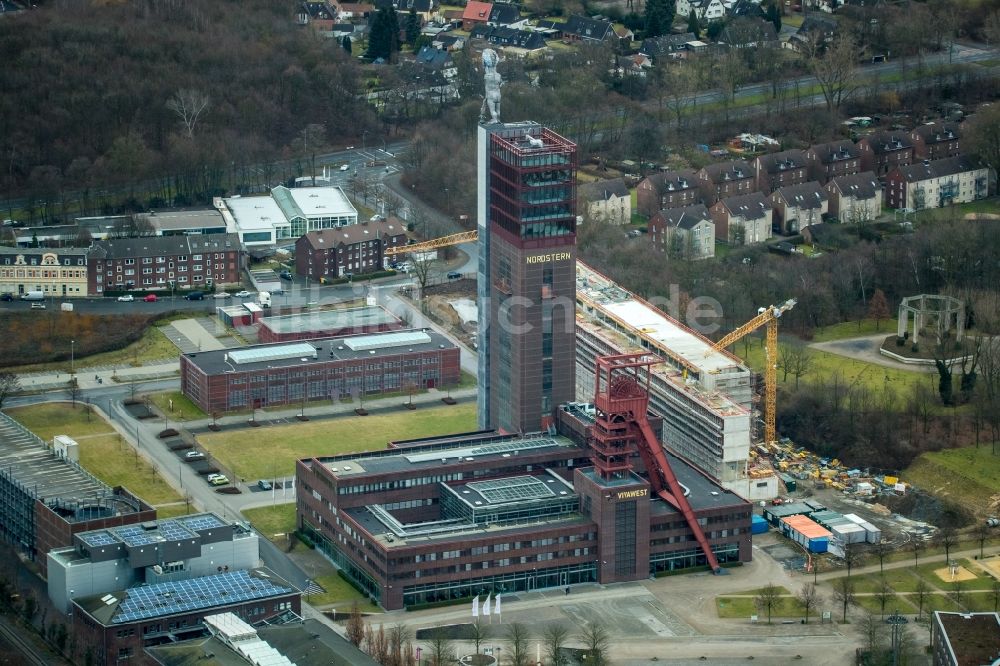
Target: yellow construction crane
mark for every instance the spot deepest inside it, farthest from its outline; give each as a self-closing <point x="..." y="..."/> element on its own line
<point x="444" y="241"/>
<point x="765" y="316"/>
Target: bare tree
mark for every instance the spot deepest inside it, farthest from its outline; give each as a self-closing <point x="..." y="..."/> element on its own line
<point x="9" y="384"/>
<point x="843" y="593"/>
<point x="808" y="597"/>
<point x="883" y="593"/>
<point x="982" y="530"/>
<point x="73" y="388"/>
<point x="517" y="637"/>
<point x="881" y="550"/>
<point x="874" y="632"/>
<point x="794" y="359"/>
<point x="422" y="270"/>
<point x="947" y="538"/>
<point x="480" y="633"/>
<point x="921" y="591"/>
<point x="767" y="599"/>
<point x="852" y="556"/>
<point x="189" y="105"/>
<point x="442" y="649"/>
<point x="956" y="592"/>
<point x="835" y="66"/>
<point x="399" y="634"/>
<point x="355" y="625"/>
<point x="555" y="636"/>
<point x="596" y="642"/>
<point x="995" y="594"/>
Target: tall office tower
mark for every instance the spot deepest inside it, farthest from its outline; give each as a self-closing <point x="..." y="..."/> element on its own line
<point x="527" y="273"/>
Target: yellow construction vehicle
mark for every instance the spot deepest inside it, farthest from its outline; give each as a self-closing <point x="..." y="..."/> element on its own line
<point x="765" y="317"/>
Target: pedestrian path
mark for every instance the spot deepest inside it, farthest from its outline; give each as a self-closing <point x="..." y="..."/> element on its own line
<point x="191" y="335"/>
<point x="94" y="377"/>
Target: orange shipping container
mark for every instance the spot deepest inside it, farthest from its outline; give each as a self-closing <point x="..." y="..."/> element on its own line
<point x="807" y="527"/>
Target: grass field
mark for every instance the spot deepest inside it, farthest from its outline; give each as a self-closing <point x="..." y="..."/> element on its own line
<point x="966" y="475"/>
<point x="153" y="345"/>
<point x="853" y="329"/>
<point x="901" y="580"/>
<point x="102" y="452"/>
<point x="744" y="607"/>
<point x="991" y="205"/>
<point x="264" y="453"/>
<point x="894" y="602"/>
<point x="338" y="593"/>
<point x="272" y="520"/>
<point x="183" y="408"/>
<point x="174" y="510"/>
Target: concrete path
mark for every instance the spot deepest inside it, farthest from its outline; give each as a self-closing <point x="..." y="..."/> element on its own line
<point x="865" y="348"/>
<point x="90" y="378"/>
<point x="907" y="563"/>
<point x="196" y="334"/>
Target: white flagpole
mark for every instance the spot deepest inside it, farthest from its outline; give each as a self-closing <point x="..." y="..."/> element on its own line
<point x="496" y="608"/>
<point x="486" y="607"/>
<point x="475" y="606"/>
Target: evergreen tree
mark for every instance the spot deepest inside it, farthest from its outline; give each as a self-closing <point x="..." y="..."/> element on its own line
<point x="412" y="27"/>
<point x="774" y="16"/>
<point x="659" y="17"/>
<point x="694" y="25"/>
<point x="346" y="43"/>
<point x="383" y="39"/>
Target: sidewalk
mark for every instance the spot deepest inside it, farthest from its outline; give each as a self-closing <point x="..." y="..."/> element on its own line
<point x="89" y="378"/>
<point x="969" y="553"/>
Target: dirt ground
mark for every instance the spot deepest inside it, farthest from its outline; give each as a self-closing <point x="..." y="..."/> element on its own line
<point x="438" y="299"/>
<point x="961" y="574"/>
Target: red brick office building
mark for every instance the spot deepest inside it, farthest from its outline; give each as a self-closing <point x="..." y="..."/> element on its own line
<point x="328" y="369"/>
<point x="356" y="249"/>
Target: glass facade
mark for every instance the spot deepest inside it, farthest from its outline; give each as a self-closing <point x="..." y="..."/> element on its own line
<point x="500" y="583"/>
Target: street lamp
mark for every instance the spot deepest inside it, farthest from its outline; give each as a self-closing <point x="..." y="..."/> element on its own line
<point x="364" y="135"/>
<point x="896" y="622"/>
<point x="72" y="356"/>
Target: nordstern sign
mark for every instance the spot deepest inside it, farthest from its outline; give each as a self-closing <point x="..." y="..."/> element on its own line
<point x="552" y="256"/>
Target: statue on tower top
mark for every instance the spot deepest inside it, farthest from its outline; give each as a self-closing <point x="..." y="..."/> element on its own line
<point x="493" y="82"/>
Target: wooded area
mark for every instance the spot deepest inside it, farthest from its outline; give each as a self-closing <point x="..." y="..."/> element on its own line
<point x="104" y="94"/>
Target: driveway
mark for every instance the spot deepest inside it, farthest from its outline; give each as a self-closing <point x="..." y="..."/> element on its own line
<point x="865" y="348"/>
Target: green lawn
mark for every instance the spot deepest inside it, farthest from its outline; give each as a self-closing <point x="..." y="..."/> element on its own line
<point x="940" y="602"/>
<point x="901" y="580"/>
<point x="278" y="519"/>
<point x="991" y="205"/>
<point x="176" y="406"/>
<point x="59" y="418"/>
<point x="174" y="510"/>
<point x="744" y="607"/>
<point x="981" y="582"/>
<point x="966" y="475"/>
<point x="102" y="451"/>
<point x="338" y="592"/>
<point x="264" y="453"/>
<point x="853" y="329"/>
<point x="893" y="602"/>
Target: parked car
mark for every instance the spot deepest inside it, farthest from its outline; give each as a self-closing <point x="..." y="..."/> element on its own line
<point x="195" y="296"/>
<point x="37" y="306"/>
<point x="345" y="167"/>
<point x="244" y="294"/>
<point x="221" y="294"/>
<point x="217" y="479"/>
<point x="127" y="298"/>
<point x="454" y="275"/>
<point x="150" y="298"/>
<point x="286" y="275"/>
<point x="264" y="484"/>
<point x="194" y="455"/>
<point x="6" y="296"/>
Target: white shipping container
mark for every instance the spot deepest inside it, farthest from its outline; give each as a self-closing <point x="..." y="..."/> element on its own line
<point x="849" y="533"/>
<point x="874" y="534"/>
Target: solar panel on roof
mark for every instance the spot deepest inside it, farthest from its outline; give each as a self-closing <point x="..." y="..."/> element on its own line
<point x="272" y="353"/>
<point x="199" y="523"/>
<point x="383" y="340"/>
<point x="487" y="449"/>
<point x="511" y="489"/>
<point x="97" y="539"/>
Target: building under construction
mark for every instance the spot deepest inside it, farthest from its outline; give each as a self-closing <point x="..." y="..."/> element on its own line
<point x="704" y="395"/>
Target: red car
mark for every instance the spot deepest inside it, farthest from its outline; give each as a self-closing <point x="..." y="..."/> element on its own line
<point x="150" y="298"/>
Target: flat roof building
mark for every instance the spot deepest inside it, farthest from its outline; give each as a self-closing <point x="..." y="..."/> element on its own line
<point x="316" y="324"/>
<point x="119" y="625"/>
<point x="48" y="499"/>
<point x="328" y="369"/>
<point x="187" y="222"/>
<point x="965" y="639"/>
<point x="703" y="395"/>
<point x="286" y="214"/>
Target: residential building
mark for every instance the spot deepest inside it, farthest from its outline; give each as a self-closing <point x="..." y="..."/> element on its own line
<point x="830" y="160"/>
<point x="746" y="32"/>
<point x="354" y="250"/>
<point x="745" y="9"/>
<point x="504" y="14"/>
<point x="854" y="199"/>
<point x="666" y="46"/>
<point x="726" y="179"/>
<point x="965" y="639"/>
<point x="796" y="206"/>
<point x="316" y="324"/>
<point x="48" y="497"/>
<point x="327" y="369"/>
<point x="116" y="558"/>
<point x="823" y="236"/>
<point x="513" y="41"/>
<point x="56" y="272"/>
<point x="814" y="30"/>
<point x="775" y="170"/>
<point x="286" y="214"/>
<point x="483" y="513"/>
<point x="582" y="28"/>
<point x="937" y="184"/>
<point x="437" y="60"/>
<point x="608" y="200"/>
<point x="936" y="141"/>
<point x="116" y="626"/>
<point x="527" y="243"/>
<point x="703" y="395"/>
<point x="165" y="262"/>
<point x="667" y="189"/>
<point x="425" y="9"/>
<point x="476" y="13"/>
<point x="687" y="233"/>
<point x="744" y="219"/>
<point x="317" y="15"/>
<point x="707" y="10"/>
<point x="883" y="150"/>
